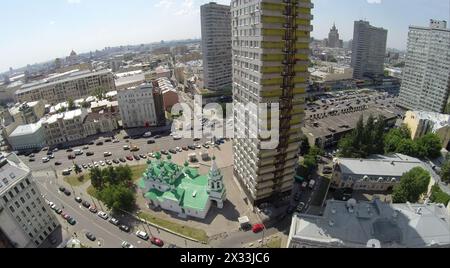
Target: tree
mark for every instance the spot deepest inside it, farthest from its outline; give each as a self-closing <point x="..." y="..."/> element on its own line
<point x="438" y="196"/>
<point x="96" y="178"/>
<point x="412" y="185"/>
<point x="100" y="93"/>
<point x="445" y="172"/>
<point x="85" y="105"/>
<point x="429" y="145"/>
<point x="77" y="169"/>
<point x="118" y="197"/>
<point x="125" y="174"/>
<point x="71" y="104"/>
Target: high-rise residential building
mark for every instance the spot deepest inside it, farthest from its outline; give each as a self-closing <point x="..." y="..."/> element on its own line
<point x="216" y="46"/>
<point x="270" y="65"/>
<point x="368" y="50"/>
<point x="333" y="38"/>
<point x="25" y="218"/>
<point x="426" y="76"/>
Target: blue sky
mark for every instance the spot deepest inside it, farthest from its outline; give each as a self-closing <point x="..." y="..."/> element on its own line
<point x="35" y="31"/>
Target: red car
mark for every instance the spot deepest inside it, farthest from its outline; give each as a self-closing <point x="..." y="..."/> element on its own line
<point x="157" y="242"/>
<point x="65" y="216"/>
<point x="257" y="228"/>
<point x="130" y="158"/>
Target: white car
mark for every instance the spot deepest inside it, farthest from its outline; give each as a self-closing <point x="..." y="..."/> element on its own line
<point x="45" y="159"/>
<point x="179" y="149"/>
<point x="147" y="135"/>
<point x="52" y="205"/>
<point x="107" y="154"/>
<point x="126" y="147"/>
<point x="95" y="164"/>
<point x="103" y="215"/>
<point x="198" y="146"/>
<point x="127" y="245"/>
<point x="142" y="235"/>
<point x="102" y="163"/>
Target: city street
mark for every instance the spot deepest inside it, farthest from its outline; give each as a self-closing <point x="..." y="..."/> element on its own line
<point x="107" y="234"/>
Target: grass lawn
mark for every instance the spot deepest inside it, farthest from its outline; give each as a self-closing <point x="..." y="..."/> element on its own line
<point x="91" y="191"/>
<point x="77" y="180"/>
<point x="175" y="227"/>
<point x="273" y="243"/>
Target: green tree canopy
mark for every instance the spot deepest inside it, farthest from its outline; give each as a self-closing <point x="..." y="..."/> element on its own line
<point x="438" y="196"/>
<point x="445" y="172"/>
<point x="118" y="197"/>
<point x="412" y="185"/>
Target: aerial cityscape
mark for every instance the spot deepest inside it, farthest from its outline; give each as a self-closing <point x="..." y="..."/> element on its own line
<point x="244" y="124"/>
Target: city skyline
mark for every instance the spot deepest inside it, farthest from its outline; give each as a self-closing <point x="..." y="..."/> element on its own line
<point x="59" y="30"/>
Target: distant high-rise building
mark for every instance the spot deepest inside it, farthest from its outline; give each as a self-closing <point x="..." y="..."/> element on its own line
<point x="333" y="38"/>
<point x="368" y="50"/>
<point x="426" y="76"/>
<point x="216" y="45"/>
<point x="270" y="65"/>
<point x="25" y="218"/>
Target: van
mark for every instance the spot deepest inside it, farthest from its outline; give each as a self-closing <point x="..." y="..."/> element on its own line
<point x="78" y="152"/>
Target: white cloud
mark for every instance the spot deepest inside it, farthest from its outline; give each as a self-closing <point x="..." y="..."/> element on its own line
<point x="74" y="2"/>
<point x="374" y="1"/>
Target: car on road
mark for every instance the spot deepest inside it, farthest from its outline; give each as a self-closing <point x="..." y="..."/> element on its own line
<point x="157" y="242"/>
<point x="191" y="147"/>
<point x="173" y="151"/>
<point x="49" y="153"/>
<point x="85" y="166"/>
<point x="177" y="137"/>
<point x="52" y="205"/>
<point x="126" y="137"/>
<point x="58" y="211"/>
<point x="123" y="160"/>
<point x="108" y="140"/>
<point x="151" y="141"/>
<point x="130" y="158"/>
<point x="71" y="156"/>
<point x="102" y="215"/>
<point x="109" y="162"/>
<point x="31" y="160"/>
<point x="157" y="136"/>
<point x="90" y="165"/>
<point x="86" y="204"/>
<point x="67" y="192"/>
<point x="142" y="235"/>
<point x="55" y="150"/>
<point x="115" y="141"/>
<point x="206" y="146"/>
<point x="300" y="207"/>
<point x="61" y="189"/>
<point x="69" y="150"/>
<point x="72" y="221"/>
<point x="116" y="161"/>
<point x="179" y="149"/>
<point x="107" y="154"/>
<point x="90" y="236"/>
<point x="91" y="143"/>
<point x="114" y="221"/>
<point x="102" y="163"/>
<point x="58" y="163"/>
<point x="78" y="199"/>
<point x="124" y="228"/>
<point x="93" y="209"/>
<point x="65" y="216"/>
<point x="134" y="149"/>
<point x="85" y="147"/>
<point x="136" y="157"/>
<point x="197" y="139"/>
<point x="45" y="159"/>
<point x="147" y="135"/>
<point x="44" y="149"/>
<point x="100" y="143"/>
<point x="164" y="152"/>
<point x="126" y="147"/>
<point x="185" y="148"/>
<point x="90" y="153"/>
<point x="257" y="228"/>
<point x="127" y="245"/>
<point x="197" y="146"/>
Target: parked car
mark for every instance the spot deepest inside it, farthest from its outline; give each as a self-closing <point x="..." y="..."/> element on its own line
<point x="185" y="148"/>
<point x="164" y="152"/>
<point x="100" y="143"/>
<point x="62" y="189"/>
<point x="71" y="221"/>
<point x="127" y="245"/>
<point x="116" y="161"/>
<point x="31" y="160"/>
<point x="157" y="242"/>
<point x="173" y="151"/>
<point x="157" y="136"/>
<point x="114" y="221"/>
<point x="78" y="199"/>
<point x="58" y="163"/>
<point x="126" y="147"/>
<point x="93" y="209"/>
<point x="67" y="192"/>
<point x="300" y="207"/>
<point x="129" y="158"/>
<point x="142" y="235"/>
<point x="152" y="141"/>
<point x="109" y="162"/>
<point x="58" y="211"/>
<point x="136" y="157"/>
<point x="257" y="228"/>
<point x="123" y="160"/>
<point x="103" y="215"/>
<point x="86" y="204"/>
<point x="147" y="135"/>
<point x="90" y="153"/>
<point x="90" y="236"/>
<point x="124" y="228"/>
<point x="107" y="154"/>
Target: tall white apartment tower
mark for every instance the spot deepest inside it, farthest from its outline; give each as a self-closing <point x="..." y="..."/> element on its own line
<point x="368" y="50"/>
<point x="25" y="218"/>
<point x="270" y="65"/>
<point x="426" y="76"/>
<point x="216" y="46"/>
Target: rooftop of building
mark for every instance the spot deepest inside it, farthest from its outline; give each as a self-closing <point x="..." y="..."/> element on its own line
<point x="19" y="106"/>
<point x="24" y="130"/>
<point x="65" y="116"/>
<point x="376" y="224"/>
<point x="11" y="170"/>
<point x="439" y="120"/>
<point x="130" y="79"/>
<point x="379" y="166"/>
<point x="74" y="76"/>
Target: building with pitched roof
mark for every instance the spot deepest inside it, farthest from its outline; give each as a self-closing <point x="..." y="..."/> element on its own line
<point x="182" y="189"/>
